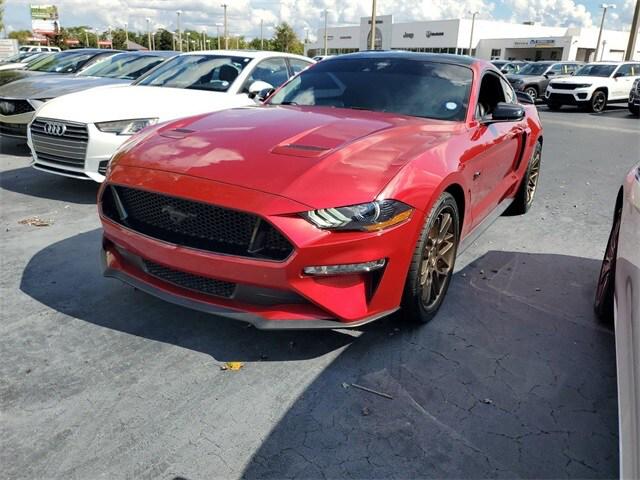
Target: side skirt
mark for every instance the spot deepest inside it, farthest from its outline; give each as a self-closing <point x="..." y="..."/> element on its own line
<point x="482" y="226"/>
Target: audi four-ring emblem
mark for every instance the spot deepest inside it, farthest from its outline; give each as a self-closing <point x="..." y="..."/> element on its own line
<point x="53" y="128"/>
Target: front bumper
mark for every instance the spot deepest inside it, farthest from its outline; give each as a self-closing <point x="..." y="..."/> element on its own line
<point x="322" y="302"/>
<point x="100" y="148"/>
<point x="578" y="96"/>
<point x="15" y="126"/>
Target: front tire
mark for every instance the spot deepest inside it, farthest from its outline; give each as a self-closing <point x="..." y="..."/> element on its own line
<point x="532" y="92"/>
<point x="598" y="101"/>
<point x="528" y="186"/>
<point x="433" y="261"/>
<point x="605" y="288"/>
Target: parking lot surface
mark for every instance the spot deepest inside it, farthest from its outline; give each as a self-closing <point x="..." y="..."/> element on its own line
<point x="514" y="378"/>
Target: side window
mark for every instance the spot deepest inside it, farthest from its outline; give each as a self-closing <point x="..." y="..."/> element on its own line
<point x="491" y="93"/>
<point x="630" y="70"/>
<point x="509" y="93"/>
<point x="624" y="71"/>
<point x="274" y="71"/>
<point x="557" y="69"/>
<point x="298" y="65"/>
<point x="571" y="68"/>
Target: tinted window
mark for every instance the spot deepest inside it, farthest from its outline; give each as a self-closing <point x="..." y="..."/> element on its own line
<point x="298" y="65"/>
<point x="629" y="70"/>
<point x="197" y="72"/>
<point x="125" y="66"/>
<point x="533" y="69"/>
<point x="272" y="70"/>
<point x="61" y="62"/>
<point x="397" y="85"/>
<point x="558" y="68"/>
<point x="596" y="70"/>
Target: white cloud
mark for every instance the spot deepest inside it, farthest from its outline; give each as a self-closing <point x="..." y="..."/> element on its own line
<point x="566" y="13"/>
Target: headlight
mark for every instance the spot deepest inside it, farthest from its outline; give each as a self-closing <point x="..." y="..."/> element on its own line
<point x="126" y="127"/>
<point x="368" y="217"/>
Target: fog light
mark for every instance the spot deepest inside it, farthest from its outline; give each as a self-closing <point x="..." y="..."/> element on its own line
<point x="346" y="269"/>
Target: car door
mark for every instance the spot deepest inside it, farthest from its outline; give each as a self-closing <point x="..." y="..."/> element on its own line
<point x="623" y="80"/>
<point x="491" y="162"/>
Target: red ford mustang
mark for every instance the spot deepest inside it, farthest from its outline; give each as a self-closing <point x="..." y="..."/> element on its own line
<point x="343" y="198"/>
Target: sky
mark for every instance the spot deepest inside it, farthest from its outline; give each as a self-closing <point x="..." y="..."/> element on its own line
<point x="307" y="15"/>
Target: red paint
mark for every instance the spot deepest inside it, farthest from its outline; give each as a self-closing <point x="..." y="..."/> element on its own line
<point x="278" y="161"/>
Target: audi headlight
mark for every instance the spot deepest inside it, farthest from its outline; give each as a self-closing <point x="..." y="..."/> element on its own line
<point x="368" y="217"/>
<point x="126" y="127"/>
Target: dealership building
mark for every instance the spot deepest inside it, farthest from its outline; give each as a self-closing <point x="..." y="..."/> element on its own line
<point x="491" y="39"/>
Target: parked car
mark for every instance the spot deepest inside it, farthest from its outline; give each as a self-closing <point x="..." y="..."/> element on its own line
<point x="76" y="135"/>
<point x="594" y="86"/>
<point x="21" y="60"/>
<point x="343" y="198"/>
<point x="20" y="99"/>
<point x="618" y="298"/>
<point x="634" y="98"/>
<point x="38" y="48"/>
<point x="509" y="66"/>
<point x="533" y="78"/>
<point x="318" y="58"/>
<point x="69" y="61"/>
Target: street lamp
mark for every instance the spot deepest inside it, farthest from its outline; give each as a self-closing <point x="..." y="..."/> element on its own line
<point x="604" y="7"/>
<point x="149" y="33"/>
<point x="204" y="39"/>
<point x="218" y="25"/>
<point x="226" y="29"/>
<point x="473" y="24"/>
<point x="126" y="35"/>
<point x="326" y="39"/>
<point x="187" y="34"/>
<point x="178" y="13"/>
<point x="372" y="33"/>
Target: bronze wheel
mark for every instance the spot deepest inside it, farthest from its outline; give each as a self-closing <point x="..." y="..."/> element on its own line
<point x="432" y="262"/>
<point x="437" y="258"/>
<point x="532" y="175"/>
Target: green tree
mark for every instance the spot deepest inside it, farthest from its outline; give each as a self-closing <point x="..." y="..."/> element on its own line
<point x="1" y="15"/>
<point x="164" y="40"/>
<point x="285" y="40"/>
<point x="21" y="35"/>
<point x="255" y="44"/>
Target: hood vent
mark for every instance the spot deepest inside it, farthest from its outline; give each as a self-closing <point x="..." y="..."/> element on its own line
<point x="300" y="150"/>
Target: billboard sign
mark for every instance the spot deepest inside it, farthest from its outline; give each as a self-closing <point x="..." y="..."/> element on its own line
<point x="44" y="19"/>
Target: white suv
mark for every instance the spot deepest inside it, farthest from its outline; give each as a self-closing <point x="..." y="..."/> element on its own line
<point x="593" y="86"/>
<point x="38" y="48"/>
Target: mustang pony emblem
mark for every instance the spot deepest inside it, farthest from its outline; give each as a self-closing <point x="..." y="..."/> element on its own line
<point x="175" y="215"/>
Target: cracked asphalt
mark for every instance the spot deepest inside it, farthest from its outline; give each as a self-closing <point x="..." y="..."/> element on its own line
<point x="515" y="378"/>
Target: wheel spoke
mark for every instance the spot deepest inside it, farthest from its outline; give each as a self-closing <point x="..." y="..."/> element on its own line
<point x="445" y="224"/>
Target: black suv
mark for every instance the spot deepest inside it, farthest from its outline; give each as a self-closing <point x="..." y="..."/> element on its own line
<point x="533" y="78"/>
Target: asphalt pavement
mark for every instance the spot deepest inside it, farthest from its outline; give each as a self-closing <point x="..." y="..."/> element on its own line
<point x="514" y="378"/>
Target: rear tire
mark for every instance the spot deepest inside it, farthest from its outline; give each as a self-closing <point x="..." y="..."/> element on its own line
<point x="532" y="92"/>
<point x="598" y="101"/>
<point x="529" y="185"/>
<point x="433" y="261"/>
<point x="605" y="288"/>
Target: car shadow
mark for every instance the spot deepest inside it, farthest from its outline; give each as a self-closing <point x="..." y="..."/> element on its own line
<point x="29" y="181"/>
<point x="513" y="378"/>
<point x="12" y="146"/>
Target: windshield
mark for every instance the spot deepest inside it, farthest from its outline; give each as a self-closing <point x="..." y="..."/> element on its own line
<point x="398" y="85"/>
<point x="126" y="66"/>
<point x="596" y="70"/>
<point x="534" y="69"/>
<point x="197" y="72"/>
<point x="61" y="62"/>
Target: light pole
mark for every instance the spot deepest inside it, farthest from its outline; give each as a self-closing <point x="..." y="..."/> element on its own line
<point x="326" y="39"/>
<point x="633" y="34"/>
<point x="604" y="8"/>
<point x="372" y="32"/>
<point x="226" y="30"/>
<point x="261" y="35"/>
<point x="473" y="24"/>
<point x="86" y="38"/>
<point x="204" y="39"/>
<point x="188" y="34"/>
<point x="149" y="33"/>
<point x="178" y="13"/>
<point x="218" y="25"/>
<point x="126" y="35"/>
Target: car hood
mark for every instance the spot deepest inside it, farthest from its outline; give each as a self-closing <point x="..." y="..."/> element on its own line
<point x="576" y="79"/>
<point x="8" y="76"/>
<point x="116" y="102"/>
<point x="525" y="78"/>
<point x="52" y="86"/>
<point x="306" y="154"/>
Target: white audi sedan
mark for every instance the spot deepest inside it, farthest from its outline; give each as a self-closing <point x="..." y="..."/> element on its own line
<point x="75" y="135"/>
<point x="618" y="297"/>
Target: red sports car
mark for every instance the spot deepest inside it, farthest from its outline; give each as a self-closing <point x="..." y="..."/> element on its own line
<point x="342" y="199"/>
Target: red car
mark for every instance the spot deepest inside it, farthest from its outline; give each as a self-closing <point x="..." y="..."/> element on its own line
<point x="342" y="199"/>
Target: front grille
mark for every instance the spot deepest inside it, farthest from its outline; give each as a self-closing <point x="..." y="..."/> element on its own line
<point x="208" y="286"/>
<point x="68" y="149"/>
<point x="13" y="129"/>
<point x="14" y="107"/>
<point x="561" y="98"/>
<point x="194" y="224"/>
<point x="564" y="86"/>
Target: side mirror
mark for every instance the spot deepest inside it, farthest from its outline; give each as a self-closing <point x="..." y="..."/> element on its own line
<point x="507" y="112"/>
<point x="258" y="87"/>
<point x="549" y="73"/>
<point x="618" y="75"/>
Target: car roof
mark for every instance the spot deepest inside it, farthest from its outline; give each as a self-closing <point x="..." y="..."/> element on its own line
<point x="88" y="50"/>
<point x="248" y="54"/>
<point x="150" y="53"/>
<point x="425" y="57"/>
